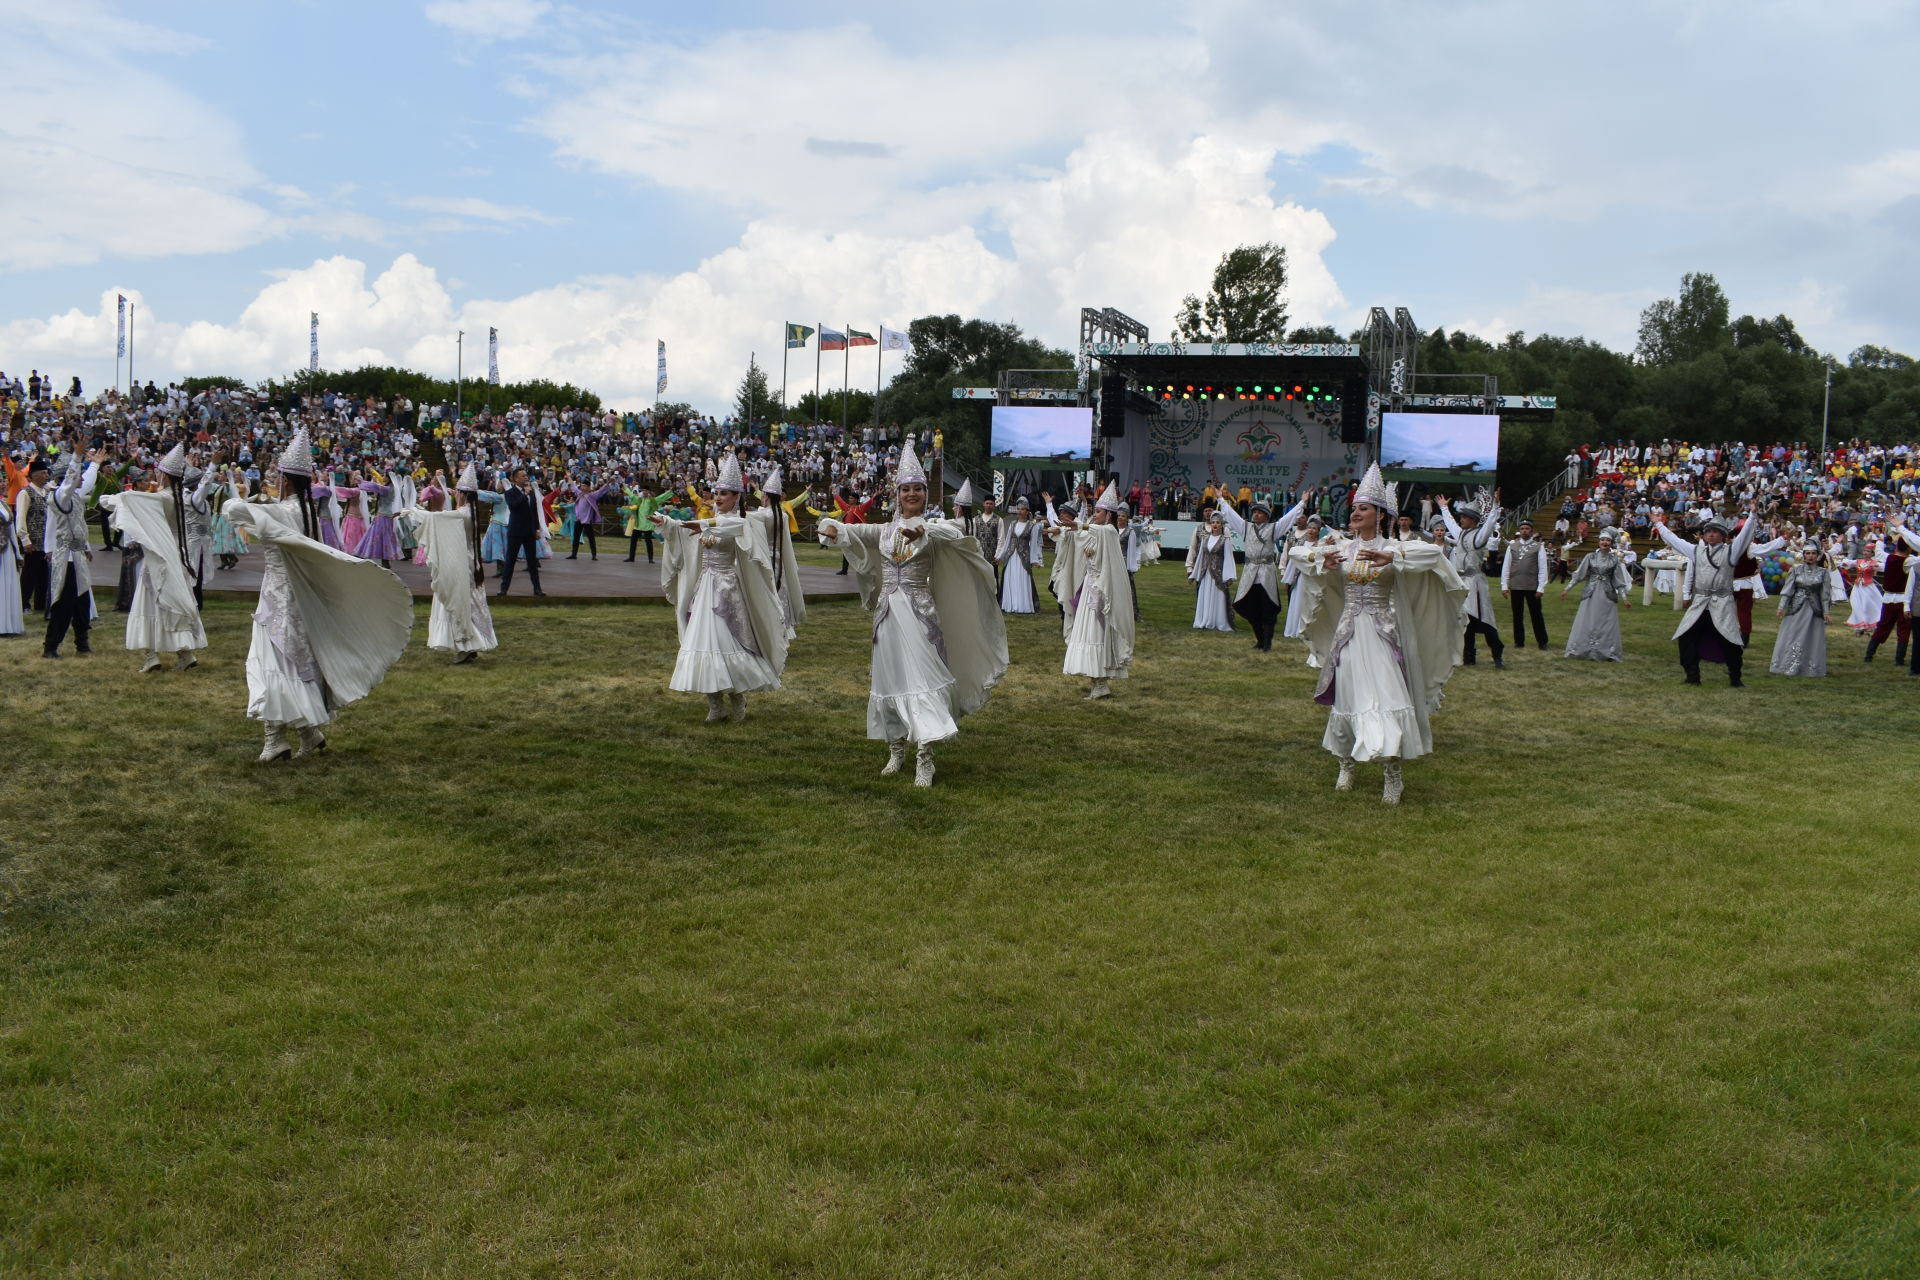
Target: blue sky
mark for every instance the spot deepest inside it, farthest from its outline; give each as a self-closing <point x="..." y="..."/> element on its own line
<point x="590" y="178"/>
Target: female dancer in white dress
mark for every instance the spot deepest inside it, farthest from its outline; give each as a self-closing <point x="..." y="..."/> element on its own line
<point x="1384" y="617"/>
<point x="939" y="639"/>
<point x="328" y="625"/>
<point x="1210" y="569"/>
<point x="719" y="575"/>
<point x="460" y="622"/>
<point x="164" y="618"/>
<point x="1100" y="643"/>
<point x="1020" y="549"/>
<point x="1305" y="536"/>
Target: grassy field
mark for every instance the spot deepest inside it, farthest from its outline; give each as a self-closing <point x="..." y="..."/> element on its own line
<point x="534" y="974"/>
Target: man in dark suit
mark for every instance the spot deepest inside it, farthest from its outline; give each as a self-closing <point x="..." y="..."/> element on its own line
<point x="524" y="518"/>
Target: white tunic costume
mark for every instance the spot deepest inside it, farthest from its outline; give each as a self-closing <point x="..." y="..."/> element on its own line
<point x="1020" y="549"/>
<point x="460" y="621"/>
<point x="733" y="633"/>
<point x="1100" y="644"/>
<point x="1386" y="637"/>
<point x="163" y="617"/>
<point x="1210" y="568"/>
<point x="939" y="640"/>
<point x="328" y="626"/>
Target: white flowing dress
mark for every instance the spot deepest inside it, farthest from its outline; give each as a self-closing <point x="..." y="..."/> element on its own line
<point x="12" y="623"/>
<point x="460" y="621"/>
<point x="1100" y="644"/>
<point x="162" y="616"/>
<point x="728" y="642"/>
<point x="1020" y="549"/>
<point x="1212" y="605"/>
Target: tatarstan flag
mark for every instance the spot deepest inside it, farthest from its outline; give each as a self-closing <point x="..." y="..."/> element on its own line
<point x="855" y="338"/>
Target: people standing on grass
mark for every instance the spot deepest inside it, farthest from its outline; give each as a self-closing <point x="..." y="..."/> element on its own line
<point x="1100" y="643"/>
<point x="1800" y="648"/>
<point x="1710" y="629"/>
<point x="163" y="617"/>
<point x="1595" y="633"/>
<point x="939" y="643"/>
<point x="328" y="625"/>
<point x="1383" y="619"/>
<point x="12" y="612"/>
<point x="1472" y="533"/>
<point x="1210" y="569"/>
<point x="1021" y="548"/>
<point x="460" y="622"/>
<point x="1258" y="596"/>
<point x="1523" y="576"/>
<point x="70" y="557"/>
<point x="718" y="573"/>
<point x="1898" y="531"/>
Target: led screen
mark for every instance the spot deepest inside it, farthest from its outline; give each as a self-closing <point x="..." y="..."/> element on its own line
<point x="1033" y="431"/>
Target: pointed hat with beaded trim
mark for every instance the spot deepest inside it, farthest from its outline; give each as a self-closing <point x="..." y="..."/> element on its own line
<point x="1109" y="499"/>
<point x="297" y="458"/>
<point x="175" y="463"/>
<point x="730" y="478"/>
<point x="1376" y="492"/>
<point x="908" y="470"/>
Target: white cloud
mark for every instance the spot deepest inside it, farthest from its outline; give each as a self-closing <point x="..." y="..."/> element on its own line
<point x="476" y="208"/>
<point x="143" y="171"/>
<point x="490" y="19"/>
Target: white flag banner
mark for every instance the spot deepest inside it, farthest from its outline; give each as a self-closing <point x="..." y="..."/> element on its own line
<point x="892" y="339"/>
<point x="120" y="347"/>
<point x="313" y="342"/>
<point x="661" y="387"/>
<point x="493" y="356"/>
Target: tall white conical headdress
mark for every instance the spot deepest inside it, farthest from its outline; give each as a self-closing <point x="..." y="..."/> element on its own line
<point x="175" y="463"/>
<point x="1375" y="491"/>
<point x="469" y="481"/>
<point x="1109" y="499"/>
<point x="964" y="498"/>
<point x="297" y="458"/>
<point x="776" y="482"/>
<point x="908" y="470"/>
<point x="730" y="476"/>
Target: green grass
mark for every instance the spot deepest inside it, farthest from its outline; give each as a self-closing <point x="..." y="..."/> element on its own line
<point x="535" y="974"/>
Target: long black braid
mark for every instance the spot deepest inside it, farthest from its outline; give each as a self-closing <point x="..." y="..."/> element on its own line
<point x="303" y="495"/>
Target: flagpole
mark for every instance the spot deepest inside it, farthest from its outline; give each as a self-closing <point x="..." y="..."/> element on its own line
<point x="784" y="344"/>
<point x="753" y="359"/>
<point x="846" y="377"/>
<point x="131" y="307"/>
<point x="879" y="358"/>
<point x="821" y="335"/>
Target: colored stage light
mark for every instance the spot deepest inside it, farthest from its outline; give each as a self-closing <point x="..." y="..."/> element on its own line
<point x="1189" y="386"/>
<point x="1256" y="389"/>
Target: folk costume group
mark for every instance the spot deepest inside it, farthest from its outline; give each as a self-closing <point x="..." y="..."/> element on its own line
<point x="1386" y="616"/>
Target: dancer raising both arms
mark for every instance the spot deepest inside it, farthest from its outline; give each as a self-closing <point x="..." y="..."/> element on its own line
<point x="328" y="626"/>
<point x="460" y="623"/>
<point x="1258" y="597"/>
<point x="1100" y="643"/>
<point x="1709" y="631"/>
<point x="1210" y="569"/>
<point x="939" y="640"/>
<point x="163" y="618"/>
<point x="719" y="574"/>
<point x="1384" y="618"/>
<point x="1021" y="548"/>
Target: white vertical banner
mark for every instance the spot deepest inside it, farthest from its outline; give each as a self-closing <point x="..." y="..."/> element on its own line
<point x="313" y="342"/>
<point x="120" y="343"/>
<point x="660" y="388"/>
<point x="493" y="357"/>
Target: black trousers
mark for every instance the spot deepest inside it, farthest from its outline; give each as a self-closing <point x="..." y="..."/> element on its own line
<point x="33" y="580"/>
<point x="1262" y="610"/>
<point x="1527" y="602"/>
<point x="593" y="543"/>
<point x="517" y="543"/>
<point x="1690" y="651"/>
<point x="110" y="534"/>
<point x="1475" y="627"/>
<point x="633" y="543"/>
<point x="69" y="609"/>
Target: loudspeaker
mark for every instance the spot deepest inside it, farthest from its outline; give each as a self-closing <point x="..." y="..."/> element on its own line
<point x="1353" y="411"/>
<point x="1113" y="405"/>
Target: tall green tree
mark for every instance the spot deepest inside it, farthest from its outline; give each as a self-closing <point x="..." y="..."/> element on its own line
<point x="1246" y="303"/>
<point x="1675" y="330"/>
<point x="754" y="401"/>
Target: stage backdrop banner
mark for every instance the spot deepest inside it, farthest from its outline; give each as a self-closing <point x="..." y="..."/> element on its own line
<point x="1263" y="444"/>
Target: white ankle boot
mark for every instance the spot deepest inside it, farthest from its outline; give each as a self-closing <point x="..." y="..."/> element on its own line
<point x="1390" y="791"/>
<point x="716" y="708"/>
<point x="311" y="740"/>
<point x="739" y="711"/>
<point x="151" y="664"/>
<point x="1345" y="781"/>
<point x="185" y="661"/>
<point x="896" y="756"/>
<point x="277" y="747"/>
<point x="1101" y="689"/>
<point x="923" y="766"/>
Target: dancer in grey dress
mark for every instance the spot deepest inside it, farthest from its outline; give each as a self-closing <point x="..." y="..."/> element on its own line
<point x="1596" y="627"/>
<point x="1801" y="647"/>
